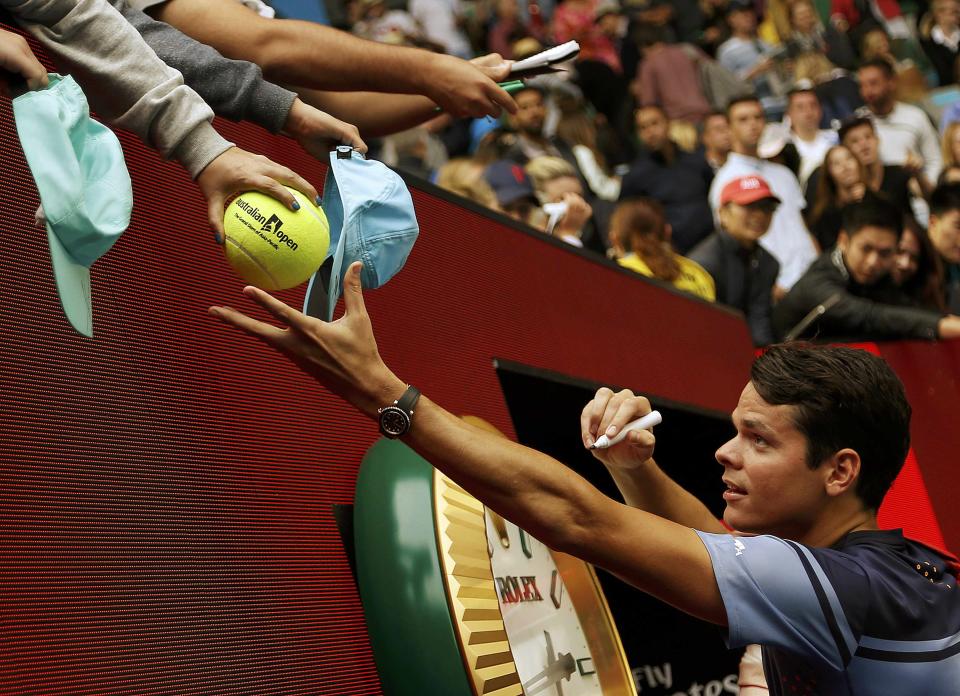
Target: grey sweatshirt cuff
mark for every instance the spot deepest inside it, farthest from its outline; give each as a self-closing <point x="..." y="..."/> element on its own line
<point x="270" y="105"/>
<point x="199" y="148"/>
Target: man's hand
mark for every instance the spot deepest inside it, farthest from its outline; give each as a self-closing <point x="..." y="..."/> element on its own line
<point x="318" y="132"/>
<point x="342" y="355"/>
<point x="949" y="327"/>
<point x="913" y="164"/>
<point x="17" y="58"/>
<point x="463" y="89"/>
<point x="607" y="414"/>
<point x="236" y="171"/>
<point x="493" y="66"/>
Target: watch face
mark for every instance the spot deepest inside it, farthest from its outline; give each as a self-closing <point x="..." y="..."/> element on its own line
<point x="394" y="421"/>
<point x="549" y="645"/>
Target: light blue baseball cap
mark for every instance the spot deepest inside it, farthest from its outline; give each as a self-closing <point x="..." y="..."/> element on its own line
<point x="372" y="220"/>
<point x="84" y="186"/>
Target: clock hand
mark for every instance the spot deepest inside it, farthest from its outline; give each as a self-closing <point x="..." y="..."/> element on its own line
<point x="558" y="670"/>
<point x="558" y="667"/>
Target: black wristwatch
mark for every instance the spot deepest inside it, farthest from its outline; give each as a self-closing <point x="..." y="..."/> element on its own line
<point x="396" y="419"/>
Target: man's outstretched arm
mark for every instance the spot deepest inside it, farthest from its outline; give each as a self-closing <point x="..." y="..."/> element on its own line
<point x="533" y="490"/>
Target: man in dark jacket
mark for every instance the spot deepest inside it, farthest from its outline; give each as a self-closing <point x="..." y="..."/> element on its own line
<point x="848" y="292"/>
<point x="945" y="238"/>
<point x="743" y="271"/>
<point x="678" y="180"/>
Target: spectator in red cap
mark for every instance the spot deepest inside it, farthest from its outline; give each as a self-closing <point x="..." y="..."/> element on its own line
<point x="743" y="271"/>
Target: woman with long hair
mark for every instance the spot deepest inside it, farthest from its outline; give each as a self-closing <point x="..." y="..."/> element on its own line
<point x="843" y="181"/>
<point x="640" y="236"/>
<point x="916" y="270"/>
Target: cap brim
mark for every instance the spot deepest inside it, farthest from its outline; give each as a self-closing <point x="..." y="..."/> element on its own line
<point x="73" y="286"/>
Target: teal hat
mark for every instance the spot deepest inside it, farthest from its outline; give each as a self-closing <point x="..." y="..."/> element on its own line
<point x="84" y="186"/>
<point x="371" y="220"/>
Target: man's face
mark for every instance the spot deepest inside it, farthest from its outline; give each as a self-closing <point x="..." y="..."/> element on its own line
<point x="716" y="134"/>
<point x="945" y="235"/>
<point x="869" y="254"/>
<point x="746" y="124"/>
<point x="770" y="488"/>
<point x="804" y="111"/>
<point x="530" y="112"/>
<point x="742" y="21"/>
<point x="876" y="89"/>
<point x="652" y="128"/>
<point x="863" y="143"/>
<point x="747" y="223"/>
<point x="946" y="13"/>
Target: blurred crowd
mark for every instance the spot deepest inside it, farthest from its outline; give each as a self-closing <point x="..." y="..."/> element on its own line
<point x="780" y="156"/>
<point x="795" y="159"/>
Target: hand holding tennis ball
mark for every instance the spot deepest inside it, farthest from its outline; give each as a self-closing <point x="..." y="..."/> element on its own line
<point x="271" y="246"/>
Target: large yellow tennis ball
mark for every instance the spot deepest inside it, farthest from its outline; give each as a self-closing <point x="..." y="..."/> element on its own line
<point x="271" y="246"/>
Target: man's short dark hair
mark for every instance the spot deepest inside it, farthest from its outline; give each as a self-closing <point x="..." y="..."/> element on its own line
<point x="801" y="90"/>
<point x="873" y="210"/>
<point x="751" y="98"/>
<point x="881" y="64"/>
<point x="945" y="197"/>
<point x="852" y="123"/>
<point x="843" y="397"/>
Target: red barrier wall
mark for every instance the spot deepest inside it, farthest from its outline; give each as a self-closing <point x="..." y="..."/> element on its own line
<point x="167" y="487"/>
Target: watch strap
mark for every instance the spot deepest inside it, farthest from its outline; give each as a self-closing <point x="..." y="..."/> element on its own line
<point x="408" y="401"/>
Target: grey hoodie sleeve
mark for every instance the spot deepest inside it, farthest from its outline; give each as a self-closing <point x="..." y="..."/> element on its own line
<point x="122" y="77"/>
<point x="235" y="89"/>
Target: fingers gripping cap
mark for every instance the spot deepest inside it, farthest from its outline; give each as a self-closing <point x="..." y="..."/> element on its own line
<point x="372" y="220"/>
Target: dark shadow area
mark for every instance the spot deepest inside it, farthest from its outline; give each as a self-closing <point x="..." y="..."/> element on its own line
<point x="669" y="651"/>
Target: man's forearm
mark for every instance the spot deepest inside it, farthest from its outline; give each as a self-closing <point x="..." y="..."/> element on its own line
<point x="373" y="114"/>
<point x="646" y="487"/>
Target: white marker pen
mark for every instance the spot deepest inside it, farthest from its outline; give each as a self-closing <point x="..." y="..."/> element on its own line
<point x="644" y="423"/>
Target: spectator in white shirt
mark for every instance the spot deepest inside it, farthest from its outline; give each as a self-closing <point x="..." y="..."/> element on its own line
<point x="803" y="116"/>
<point x="787" y="239"/>
<point x="904" y="130"/>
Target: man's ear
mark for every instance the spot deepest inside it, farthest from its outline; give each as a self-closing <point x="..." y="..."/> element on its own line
<point x="668" y="232"/>
<point x="843" y="240"/>
<point x="843" y="470"/>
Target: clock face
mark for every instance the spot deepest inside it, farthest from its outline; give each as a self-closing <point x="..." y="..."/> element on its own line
<point x="548" y="643"/>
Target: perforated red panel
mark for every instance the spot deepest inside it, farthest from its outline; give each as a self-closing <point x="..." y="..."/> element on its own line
<point x="166" y="488"/>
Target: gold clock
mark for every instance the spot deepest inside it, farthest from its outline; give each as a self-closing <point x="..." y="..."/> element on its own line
<point x="519" y="618"/>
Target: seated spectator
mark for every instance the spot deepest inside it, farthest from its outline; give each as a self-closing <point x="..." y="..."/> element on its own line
<point x="416" y="150"/>
<point x="514" y="192"/>
<point x="464" y="177"/>
<point x="803" y="115"/>
<point x="508" y="27"/>
<point x="440" y="22"/>
<point x="599" y="71"/>
<point x="856" y="18"/>
<point x="640" y="234"/>
<point x="669" y="77"/>
<point x="944" y="233"/>
<point x="744" y="272"/>
<point x="843" y="182"/>
<point x="384" y="25"/>
<point x="713" y="25"/>
<point x="849" y="294"/>
<point x="555" y="181"/>
<point x="914" y="270"/>
<point x="788" y="239"/>
<point x="904" y="130"/>
<point x="528" y="124"/>
<point x="951" y="145"/>
<point x="949" y="175"/>
<point x="809" y="35"/>
<point x="893" y="181"/>
<point x="911" y="82"/>
<point x="715" y="139"/>
<point x="751" y="59"/>
<point x="578" y="130"/>
<point x="941" y="39"/>
<point x="678" y="180"/>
